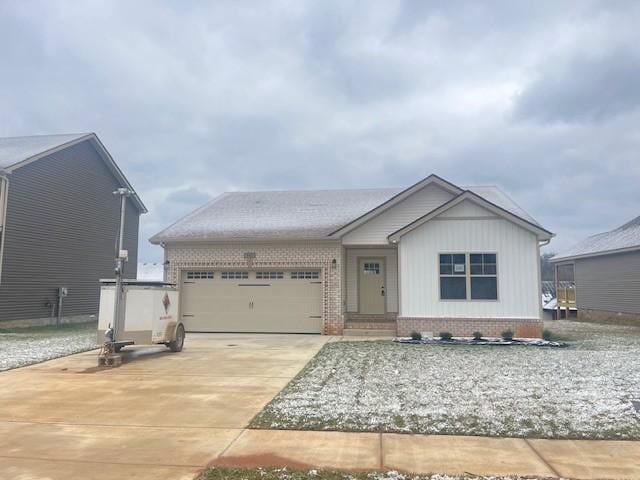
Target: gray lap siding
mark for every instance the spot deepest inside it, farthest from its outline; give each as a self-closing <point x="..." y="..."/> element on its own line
<point x="61" y="228"/>
<point x="609" y="283"/>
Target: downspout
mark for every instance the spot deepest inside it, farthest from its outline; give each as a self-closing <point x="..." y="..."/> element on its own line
<point x="4" y="198"/>
<point x="541" y="244"/>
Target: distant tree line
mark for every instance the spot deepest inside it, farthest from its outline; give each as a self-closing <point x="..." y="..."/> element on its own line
<point x="546" y="267"/>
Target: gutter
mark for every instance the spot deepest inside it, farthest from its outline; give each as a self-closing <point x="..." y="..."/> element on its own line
<point x="4" y="198"/>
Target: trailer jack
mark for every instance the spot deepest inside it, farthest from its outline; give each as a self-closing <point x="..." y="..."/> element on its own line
<point x="109" y="355"/>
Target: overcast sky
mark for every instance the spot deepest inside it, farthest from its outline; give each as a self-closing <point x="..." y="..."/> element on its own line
<point x="196" y="98"/>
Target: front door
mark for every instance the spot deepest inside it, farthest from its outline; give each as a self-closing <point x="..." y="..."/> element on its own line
<point x="371" y="289"/>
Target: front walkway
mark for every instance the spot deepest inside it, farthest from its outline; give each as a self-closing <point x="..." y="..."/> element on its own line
<point x="168" y="416"/>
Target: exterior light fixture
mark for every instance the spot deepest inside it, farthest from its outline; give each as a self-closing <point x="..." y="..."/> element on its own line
<point x="334" y="264"/>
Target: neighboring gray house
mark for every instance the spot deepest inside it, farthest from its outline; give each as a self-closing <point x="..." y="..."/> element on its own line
<point x="606" y="271"/>
<point x="58" y="225"/>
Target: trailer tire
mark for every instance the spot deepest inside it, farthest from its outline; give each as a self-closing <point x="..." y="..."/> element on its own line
<point x="176" y="344"/>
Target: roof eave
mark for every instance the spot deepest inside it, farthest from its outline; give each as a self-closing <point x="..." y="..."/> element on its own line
<point x="102" y="151"/>
<point x="594" y="254"/>
<point x="540" y="232"/>
<point x="397" y="198"/>
<point x="156" y="240"/>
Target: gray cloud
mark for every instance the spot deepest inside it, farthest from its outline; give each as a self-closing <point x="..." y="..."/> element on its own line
<point x="193" y="98"/>
<point x="591" y="88"/>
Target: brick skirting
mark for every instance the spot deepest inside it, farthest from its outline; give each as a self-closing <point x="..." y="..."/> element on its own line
<point x="464" y="327"/>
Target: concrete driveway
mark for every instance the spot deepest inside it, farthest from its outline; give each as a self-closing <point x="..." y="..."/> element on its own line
<point x="160" y="415"/>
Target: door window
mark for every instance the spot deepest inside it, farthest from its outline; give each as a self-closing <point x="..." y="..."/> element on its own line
<point x="371" y="268"/>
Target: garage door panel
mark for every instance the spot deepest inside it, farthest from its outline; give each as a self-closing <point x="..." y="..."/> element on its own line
<point x="258" y="302"/>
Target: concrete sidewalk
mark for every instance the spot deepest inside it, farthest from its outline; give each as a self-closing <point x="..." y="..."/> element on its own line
<point x="453" y="455"/>
<point x="168" y="416"/>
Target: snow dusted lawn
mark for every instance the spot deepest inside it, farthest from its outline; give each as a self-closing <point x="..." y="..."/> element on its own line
<point x="583" y="391"/>
<point x="24" y="346"/>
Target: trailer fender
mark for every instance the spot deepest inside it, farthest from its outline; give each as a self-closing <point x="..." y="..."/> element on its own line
<point x="170" y="331"/>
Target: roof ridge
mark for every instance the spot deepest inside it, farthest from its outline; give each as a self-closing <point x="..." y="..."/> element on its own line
<point x="47" y="135"/>
<point x="316" y="190"/>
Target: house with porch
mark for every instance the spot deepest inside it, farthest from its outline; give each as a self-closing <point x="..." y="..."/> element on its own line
<point x="431" y="257"/>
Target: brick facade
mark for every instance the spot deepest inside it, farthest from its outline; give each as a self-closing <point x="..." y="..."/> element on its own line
<point x="320" y="256"/>
<point x="464" y="327"/>
<point x="285" y="255"/>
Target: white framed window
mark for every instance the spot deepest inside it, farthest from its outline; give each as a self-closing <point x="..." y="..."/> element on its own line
<point x="305" y="275"/>
<point x="483" y="269"/>
<point x="197" y="275"/>
<point x="453" y="276"/>
<point x="235" y="275"/>
<point x="468" y="276"/>
<point x="269" y="275"/>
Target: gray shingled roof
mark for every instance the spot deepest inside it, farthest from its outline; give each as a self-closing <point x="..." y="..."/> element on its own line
<point x="624" y="237"/>
<point x="301" y="215"/>
<point x="17" y="149"/>
<point x="496" y="196"/>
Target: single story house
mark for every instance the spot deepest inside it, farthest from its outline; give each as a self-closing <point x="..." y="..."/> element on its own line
<point x="59" y="221"/>
<point x="432" y="257"/>
<point x="605" y="269"/>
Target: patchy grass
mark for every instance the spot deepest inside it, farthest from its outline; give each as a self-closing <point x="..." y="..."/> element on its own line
<point x="22" y="346"/>
<point x="583" y="391"/>
<point x="286" y="474"/>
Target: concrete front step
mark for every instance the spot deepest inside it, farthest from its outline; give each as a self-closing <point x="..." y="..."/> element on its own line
<point x="369" y="332"/>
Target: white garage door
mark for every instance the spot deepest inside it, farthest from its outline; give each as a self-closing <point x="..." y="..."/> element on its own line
<point x="270" y="301"/>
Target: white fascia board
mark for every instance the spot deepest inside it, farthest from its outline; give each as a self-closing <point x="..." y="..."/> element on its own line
<point x="431" y="179"/>
<point x="540" y="232"/>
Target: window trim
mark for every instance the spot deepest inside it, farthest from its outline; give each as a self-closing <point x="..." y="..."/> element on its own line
<point x="468" y="276"/>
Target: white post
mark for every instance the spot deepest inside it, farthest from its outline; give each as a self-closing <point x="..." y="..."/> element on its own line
<point x="124" y="193"/>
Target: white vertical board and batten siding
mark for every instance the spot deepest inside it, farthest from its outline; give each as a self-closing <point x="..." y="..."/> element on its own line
<point x="516" y="249"/>
<point x="391" y="275"/>
<point x="376" y="230"/>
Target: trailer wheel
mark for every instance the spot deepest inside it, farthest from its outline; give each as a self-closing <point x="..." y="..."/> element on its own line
<point x="176" y="344"/>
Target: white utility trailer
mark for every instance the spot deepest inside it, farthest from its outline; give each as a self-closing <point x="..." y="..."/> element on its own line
<point x="148" y="314"/>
